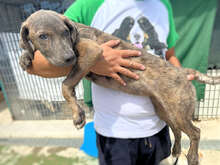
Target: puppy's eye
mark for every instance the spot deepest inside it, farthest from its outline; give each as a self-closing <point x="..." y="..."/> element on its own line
<point x="66" y="33"/>
<point x="43" y="36"/>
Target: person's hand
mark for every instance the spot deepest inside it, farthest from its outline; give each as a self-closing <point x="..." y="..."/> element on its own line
<point x="114" y="61"/>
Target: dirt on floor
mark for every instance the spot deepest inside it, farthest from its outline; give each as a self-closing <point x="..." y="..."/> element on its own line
<point x="26" y="155"/>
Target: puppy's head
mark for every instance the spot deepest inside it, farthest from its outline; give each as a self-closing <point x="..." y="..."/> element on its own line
<point x="52" y="34"/>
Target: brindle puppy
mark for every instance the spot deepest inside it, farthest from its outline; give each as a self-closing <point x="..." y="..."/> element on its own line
<point x="64" y="43"/>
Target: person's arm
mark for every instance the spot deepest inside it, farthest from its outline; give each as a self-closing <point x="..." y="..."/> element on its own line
<point x="113" y="62"/>
<point x="41" y="67"/>
<point x="170" y="56"/>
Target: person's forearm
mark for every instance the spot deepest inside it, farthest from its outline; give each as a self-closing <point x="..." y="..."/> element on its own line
<point x="41" y="67"/>
<point x="113" y="62"/>
<point x="170" y="56"/>
<point x="174" y="61"/>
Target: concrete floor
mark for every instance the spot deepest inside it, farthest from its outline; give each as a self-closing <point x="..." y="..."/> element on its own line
<point x="62" y="133"/>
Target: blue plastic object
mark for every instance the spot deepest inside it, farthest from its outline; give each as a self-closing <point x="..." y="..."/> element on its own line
<point x="89" y="142"/>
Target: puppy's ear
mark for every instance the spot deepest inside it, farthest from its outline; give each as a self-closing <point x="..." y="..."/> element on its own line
<point x="72" y="27"/>
<point x="24" y="41"/>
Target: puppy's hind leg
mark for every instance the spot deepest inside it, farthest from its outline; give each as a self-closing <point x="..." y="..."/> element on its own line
<point x="171" y="122"/>
<point x="184" y="123"/>
<point x="163" y="111"/>
<point x="176" y="150"/>
<point x="194" y="135"/>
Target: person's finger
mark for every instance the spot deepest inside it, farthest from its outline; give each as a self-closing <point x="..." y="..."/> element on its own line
<point x="132" y="64"/>
<point x="111" y="43"/>
<point x="127" y="73"/>
<point x="130" y="53"/>
<point x="118" y="79"/>
<point x="190" y="77"/>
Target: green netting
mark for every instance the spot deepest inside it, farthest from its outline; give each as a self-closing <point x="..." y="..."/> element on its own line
<point x="214" y="56"/>
<point x="194" y="22"/>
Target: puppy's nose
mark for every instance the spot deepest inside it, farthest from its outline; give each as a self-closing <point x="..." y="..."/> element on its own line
<point x="69" y="60"/>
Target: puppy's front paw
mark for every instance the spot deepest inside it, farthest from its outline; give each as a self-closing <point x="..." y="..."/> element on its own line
<point x="25" y="61"/>
<point x="79" y="120"/>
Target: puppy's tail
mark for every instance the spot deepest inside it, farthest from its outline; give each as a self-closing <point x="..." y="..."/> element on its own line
<point x="203" y="78"/>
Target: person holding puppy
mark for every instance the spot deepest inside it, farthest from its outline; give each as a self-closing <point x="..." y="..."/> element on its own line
<point x="128" y="130"/>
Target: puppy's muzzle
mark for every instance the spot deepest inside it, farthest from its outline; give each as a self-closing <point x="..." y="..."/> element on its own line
<point x="69" y="58"/>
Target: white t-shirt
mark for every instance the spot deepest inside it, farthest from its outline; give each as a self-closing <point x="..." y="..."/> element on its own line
<point x="118" y="114"/>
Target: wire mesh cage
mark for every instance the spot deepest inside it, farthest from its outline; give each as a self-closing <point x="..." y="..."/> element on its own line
<point x="209" y="107"/>
<point x="29" y="97"/>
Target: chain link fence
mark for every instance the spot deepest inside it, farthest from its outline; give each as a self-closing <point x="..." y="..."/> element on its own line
<point x="34" y="98"/>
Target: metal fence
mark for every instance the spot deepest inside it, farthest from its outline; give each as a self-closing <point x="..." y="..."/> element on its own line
<point x="209" y="107"/>
<point x="29" y="97"/>
<point x="34" y="98"/>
